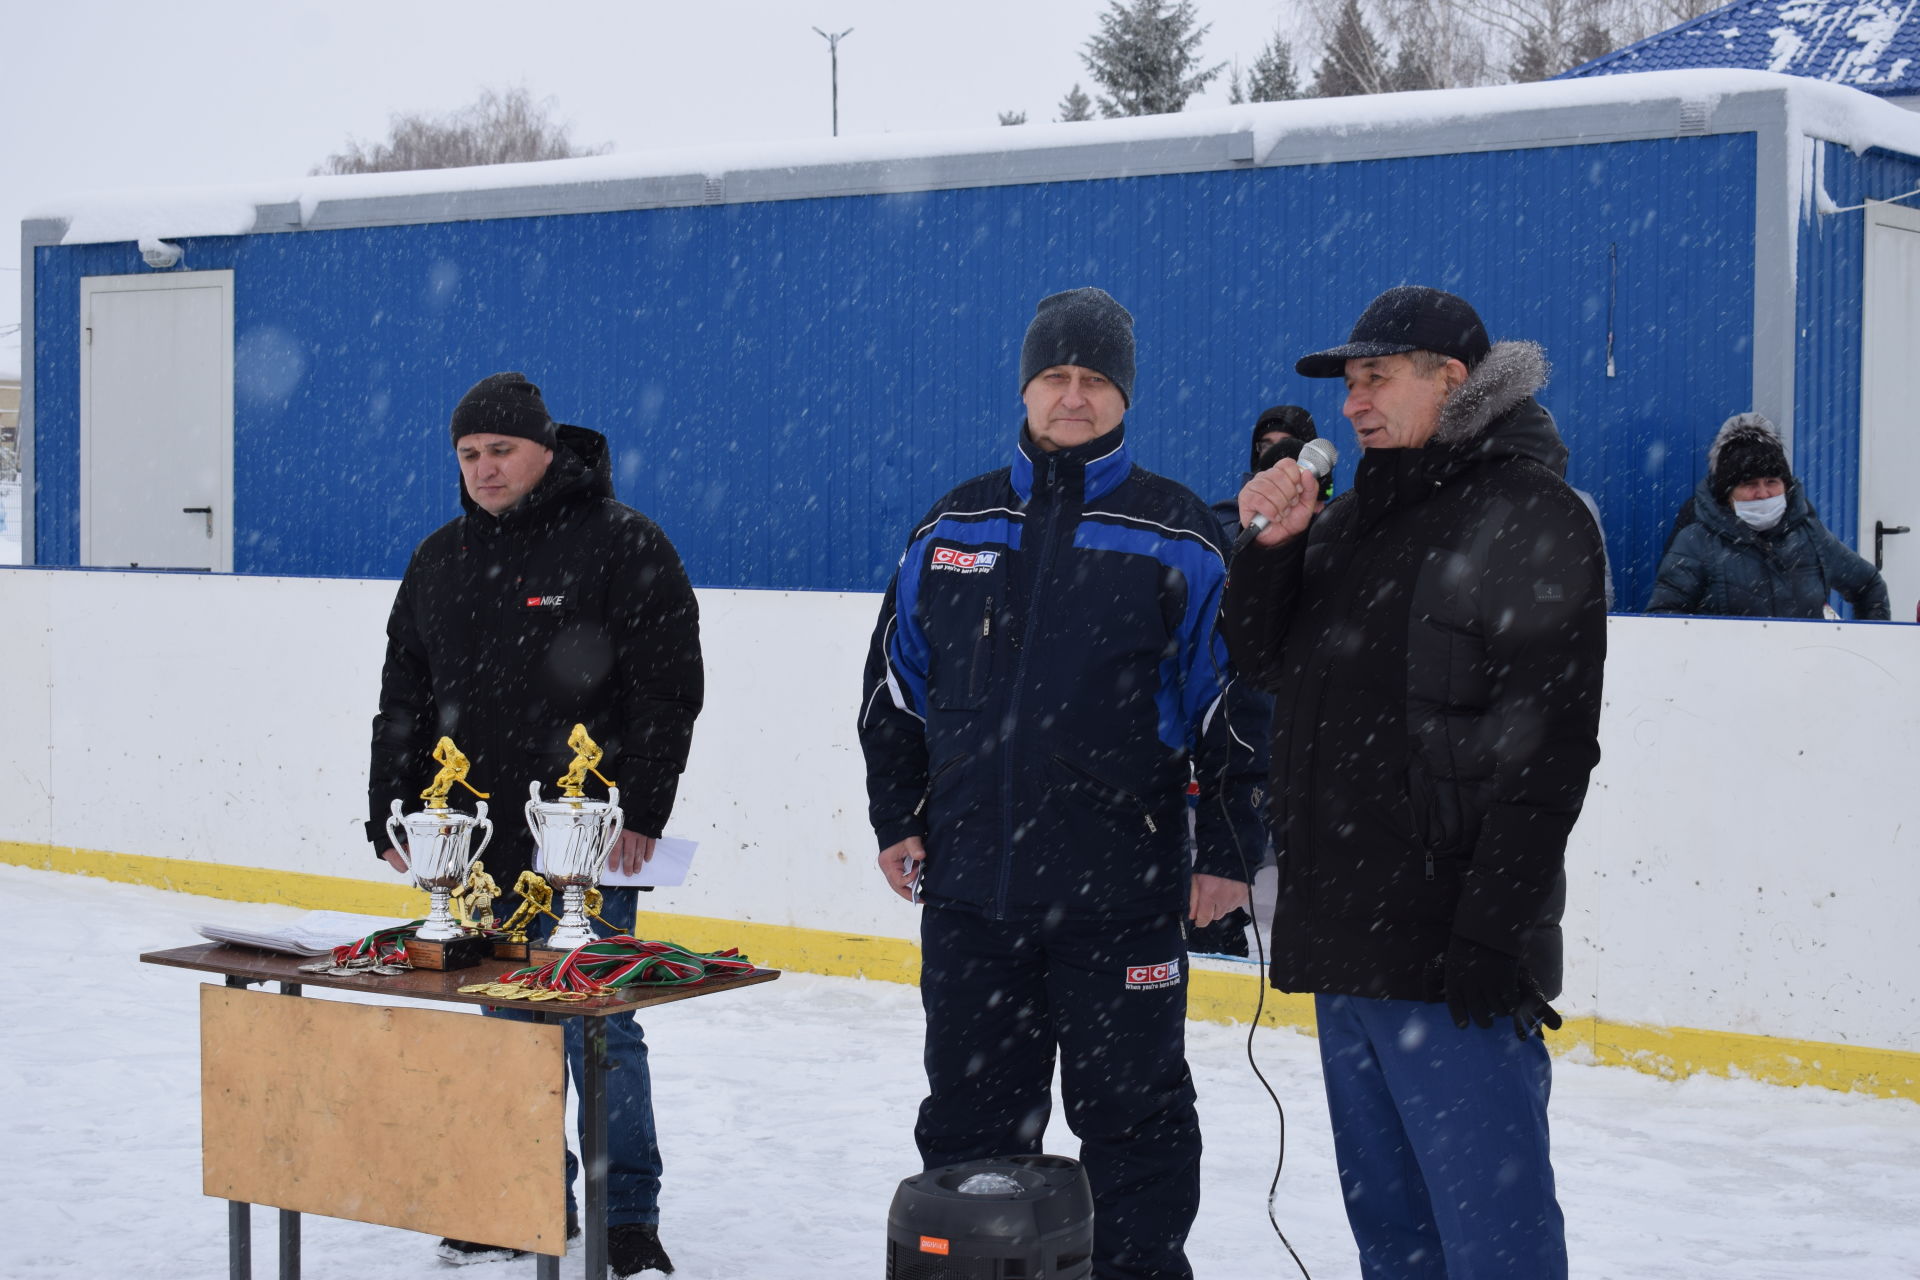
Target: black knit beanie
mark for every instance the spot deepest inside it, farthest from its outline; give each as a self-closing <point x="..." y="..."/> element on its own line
<point x="1745" y="449"/>
<point x="1083" y="327"/>
<point x="1288" y="418"/>
<point x="504" y="404"/>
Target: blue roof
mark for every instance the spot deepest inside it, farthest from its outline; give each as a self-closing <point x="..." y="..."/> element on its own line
<point x="1873" y="45"/>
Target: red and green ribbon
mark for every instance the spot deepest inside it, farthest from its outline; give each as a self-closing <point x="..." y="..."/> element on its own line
<point x="604" y="967"/>
<point x="383" y="946"/>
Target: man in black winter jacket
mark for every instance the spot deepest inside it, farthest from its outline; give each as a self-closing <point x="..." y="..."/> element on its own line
<point x="1435" y="641"/>
<point x="1044" y="678"/>
<point x="547" y="604"/>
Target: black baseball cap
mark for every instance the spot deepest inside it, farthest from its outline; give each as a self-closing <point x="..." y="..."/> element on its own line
<point x="1410" y="317"/>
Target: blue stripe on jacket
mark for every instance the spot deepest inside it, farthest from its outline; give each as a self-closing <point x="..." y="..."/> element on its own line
<point x="1188" y="685"/>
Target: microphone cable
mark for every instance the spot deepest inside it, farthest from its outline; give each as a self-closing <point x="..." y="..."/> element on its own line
<point x="1259" y="1008"/>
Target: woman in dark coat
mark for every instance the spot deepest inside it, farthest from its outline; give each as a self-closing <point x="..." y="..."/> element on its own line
<point x="1755" y="548"/>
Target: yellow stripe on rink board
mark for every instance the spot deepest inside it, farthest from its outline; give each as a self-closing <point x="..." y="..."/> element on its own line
<point x="1678" y="1052"/>
<point x="785" y="946"/>
<point x="213" y="880"/>
<point x="1213" y="995"/>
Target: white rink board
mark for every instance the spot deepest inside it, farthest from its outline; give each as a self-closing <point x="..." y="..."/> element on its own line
<point x="1745" y="862"/>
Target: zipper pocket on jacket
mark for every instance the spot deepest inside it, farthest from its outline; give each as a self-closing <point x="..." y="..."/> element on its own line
<point x="938" y="774"/>
<point x="1113" y="795"/>
<point x="982" y="655"/>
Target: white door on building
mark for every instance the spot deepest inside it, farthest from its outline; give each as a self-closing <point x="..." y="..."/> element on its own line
<point x="156" y="420"/>
<point x="1890" y="401"/>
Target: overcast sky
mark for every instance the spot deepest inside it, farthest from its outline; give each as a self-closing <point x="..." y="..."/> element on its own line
<point x="97" y="95"/>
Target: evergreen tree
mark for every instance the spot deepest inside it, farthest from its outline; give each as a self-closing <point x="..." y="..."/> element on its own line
<point x="1533" y="58"/>
<point x="1146" y="57"/>
<point x="1354" y="61"/>
<point x="1013" y="117"/>
<point x="1273" y="78"/>
<point x="1236" y="92"/>
<point x="1590" y="42"/>
<point x="1411" y="71"/>
<point x="1076" y="106"/>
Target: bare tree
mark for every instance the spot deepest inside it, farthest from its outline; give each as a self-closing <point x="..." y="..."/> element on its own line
<point x="1638" y="19"/>
<point x="499" y="128"/>
<point x="1546" y="37"/>
<point x="1146" y="56"/>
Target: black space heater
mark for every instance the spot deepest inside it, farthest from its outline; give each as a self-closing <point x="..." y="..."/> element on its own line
<point x="1009" y="1218"/>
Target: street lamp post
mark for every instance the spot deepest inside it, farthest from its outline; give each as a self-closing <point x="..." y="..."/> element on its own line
<point x="833" y="49"/>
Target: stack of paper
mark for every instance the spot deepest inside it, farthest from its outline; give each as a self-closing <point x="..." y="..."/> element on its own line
<point x="313" y="934"/>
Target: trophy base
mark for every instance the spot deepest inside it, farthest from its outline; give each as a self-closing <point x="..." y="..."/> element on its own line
<point x="539" y="953"/>
<point x="454" y="953"/>
<point x="508" y="949"/>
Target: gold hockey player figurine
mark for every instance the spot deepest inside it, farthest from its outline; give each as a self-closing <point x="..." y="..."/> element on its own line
<point x="586" y="754"/>
<point x="473" y="901"/>
<point x="453" y="768"/>
<point x="536" y="899"/>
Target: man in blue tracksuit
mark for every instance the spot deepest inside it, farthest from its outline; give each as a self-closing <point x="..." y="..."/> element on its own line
<point x="1044" y="677"/>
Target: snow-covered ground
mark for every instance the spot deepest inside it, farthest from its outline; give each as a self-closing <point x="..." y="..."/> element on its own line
<point x="785" y="1114"/>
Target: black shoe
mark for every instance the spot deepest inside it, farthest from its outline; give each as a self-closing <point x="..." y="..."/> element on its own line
<point x="633" y="1247"/>
<point x="460" y="1253"/>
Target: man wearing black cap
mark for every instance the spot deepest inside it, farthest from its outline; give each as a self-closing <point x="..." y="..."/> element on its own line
<point x="1044" y="678"/>
<point x="545" y="605"/>
<point x="1435" y="639"/>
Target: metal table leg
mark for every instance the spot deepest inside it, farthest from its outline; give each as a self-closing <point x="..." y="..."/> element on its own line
<point x="239" y="1214"/>
<point x="289" y="1220"/>
<point x="593" y="1144"/>
<point x="546" y="1266"/>
<point x="239" y="1240"/>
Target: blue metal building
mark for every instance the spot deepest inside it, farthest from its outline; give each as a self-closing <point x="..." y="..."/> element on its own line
<point x="793" y="360"/>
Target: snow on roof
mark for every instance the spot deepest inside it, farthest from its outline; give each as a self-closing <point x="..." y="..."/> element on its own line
<point x="1320" y="130"/>
<point x="1873" y="45"/>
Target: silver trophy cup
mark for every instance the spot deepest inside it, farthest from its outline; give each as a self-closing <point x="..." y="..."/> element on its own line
<point x="574" y="838"/>
<point x="436" y="844"/>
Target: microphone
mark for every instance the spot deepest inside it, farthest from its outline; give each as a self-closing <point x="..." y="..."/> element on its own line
<point x="1316" y="459"/>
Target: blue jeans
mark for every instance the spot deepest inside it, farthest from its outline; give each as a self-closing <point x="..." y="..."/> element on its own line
<point x="633" y="1148"/>
<point x="1441" y="1137"/>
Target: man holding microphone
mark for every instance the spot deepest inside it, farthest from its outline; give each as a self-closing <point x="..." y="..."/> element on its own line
<point x="1435" y="641"/>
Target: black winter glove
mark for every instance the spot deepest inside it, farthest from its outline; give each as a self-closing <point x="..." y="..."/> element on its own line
<point x="1482" y="984"/>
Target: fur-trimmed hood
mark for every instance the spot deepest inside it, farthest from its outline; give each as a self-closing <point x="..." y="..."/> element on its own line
<point x="1510" y="374"/>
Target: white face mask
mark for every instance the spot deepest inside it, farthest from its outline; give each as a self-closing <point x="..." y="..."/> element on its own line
<point x="1762" y="513"/>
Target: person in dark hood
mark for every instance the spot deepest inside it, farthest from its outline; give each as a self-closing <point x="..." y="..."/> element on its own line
<point x="1754" y="547"/>
<point x="1044" y="679"/>
<point x="1434" y="640"/>
<point x="1278" y="433"/>
<point x="547" y="604"/>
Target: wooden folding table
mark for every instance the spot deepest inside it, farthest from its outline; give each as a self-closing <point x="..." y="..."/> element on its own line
<point x="424" y="1119"/>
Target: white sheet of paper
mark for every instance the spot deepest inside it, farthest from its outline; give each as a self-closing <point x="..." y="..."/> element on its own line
<point x="672" y="857"/>
<point x="313" y="934"/>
